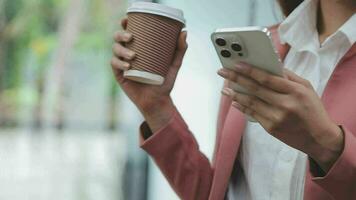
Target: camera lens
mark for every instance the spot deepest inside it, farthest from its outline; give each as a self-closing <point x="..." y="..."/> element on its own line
<point x="225" y="53"/>
<point x="241" y="54"/>
<point x="236" y="47"/>
<point x="220" y="41"/>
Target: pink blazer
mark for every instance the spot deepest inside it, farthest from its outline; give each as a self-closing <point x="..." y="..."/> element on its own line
<point x="176" y="152"/>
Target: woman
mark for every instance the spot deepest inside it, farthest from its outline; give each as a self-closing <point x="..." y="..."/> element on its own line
<point x="302" y="147"/>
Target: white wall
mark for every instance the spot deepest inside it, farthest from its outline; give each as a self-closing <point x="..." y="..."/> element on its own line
<point x="197" y="89"/>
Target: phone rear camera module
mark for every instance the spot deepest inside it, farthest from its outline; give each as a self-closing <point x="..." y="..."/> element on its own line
<point x="220" y="41"/>
<point x="236" y="47"/>
<point x="225" y="53"/>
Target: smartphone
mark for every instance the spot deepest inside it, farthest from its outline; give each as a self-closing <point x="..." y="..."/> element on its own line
<point x="252" y="45"/>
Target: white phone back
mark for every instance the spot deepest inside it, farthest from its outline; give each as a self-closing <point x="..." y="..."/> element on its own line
<point x="257" y="49"/>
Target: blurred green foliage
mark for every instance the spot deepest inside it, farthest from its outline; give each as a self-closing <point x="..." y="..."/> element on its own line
<point x="29" y="31"/>
<point x="29" y="25"/>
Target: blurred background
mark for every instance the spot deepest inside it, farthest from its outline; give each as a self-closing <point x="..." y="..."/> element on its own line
<point x="67" y="131"/>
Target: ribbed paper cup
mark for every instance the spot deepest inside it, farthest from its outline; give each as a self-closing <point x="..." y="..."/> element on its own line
<point x="155" y="30"/>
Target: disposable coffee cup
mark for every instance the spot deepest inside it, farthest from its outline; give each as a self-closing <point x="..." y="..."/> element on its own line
<point x="156" y="29"/>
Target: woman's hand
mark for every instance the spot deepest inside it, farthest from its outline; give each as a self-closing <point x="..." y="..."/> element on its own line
<point x="154" y="102"/>
<point x="289" y="109"/>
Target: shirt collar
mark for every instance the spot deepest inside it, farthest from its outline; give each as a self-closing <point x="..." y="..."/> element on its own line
<point x="349" y="29"/>
<point x="299" y="28"/>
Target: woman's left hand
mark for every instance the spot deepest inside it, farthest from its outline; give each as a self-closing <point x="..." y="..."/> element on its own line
<point x="289" y="109"/>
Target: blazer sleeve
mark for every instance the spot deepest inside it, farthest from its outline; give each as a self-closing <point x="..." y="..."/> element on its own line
<point x="176" y="152"/>
<point x="340" y="181"/>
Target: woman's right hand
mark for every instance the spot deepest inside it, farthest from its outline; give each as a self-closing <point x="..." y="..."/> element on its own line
<point x="153" y="101"/>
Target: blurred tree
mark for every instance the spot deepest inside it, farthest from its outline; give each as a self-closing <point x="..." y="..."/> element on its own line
<point x="69" y="31"/>
<point x="36" y="29"/>
<point x="8" y="11"/>
<point x="20" y="34"/>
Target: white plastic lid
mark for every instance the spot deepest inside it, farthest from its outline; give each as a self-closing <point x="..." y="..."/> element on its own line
<point x="157" y="9"/>
<point x="144" y="77"/>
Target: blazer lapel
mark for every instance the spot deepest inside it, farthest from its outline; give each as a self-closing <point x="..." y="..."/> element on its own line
<point x="230" y="142"/>
<point x="340" y="92"/>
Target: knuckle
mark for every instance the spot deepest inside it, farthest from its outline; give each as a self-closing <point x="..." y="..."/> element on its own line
<point x="247" y="83"/>
<point x="265" y="80"/>
<point x="122" y="36"/>
<point x="233" y="77"/>
<point x="299" y="93"/>
<point x="288" y="108"/>
<point x="177" y="63"/>
<point x="119" y="36"/>
<point x="237" y="79"/>
<point x="249" y="71"/>
<point x="122" y="51"/>
<point x="275" y="117"/>
<point x="251" y="101"/>
<point x="282" y="117"/>
<point x="253" y="86"/>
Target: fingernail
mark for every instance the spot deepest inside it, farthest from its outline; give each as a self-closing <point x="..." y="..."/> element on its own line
<point x="127" y="66"/>
<point x="127" y="35"/>
<point x="223" y="73"/>
<point x="242" y="66"/>
<point x="131" y="54"/>
<point x="226" y="91"/>
<point x="236" y="105"/>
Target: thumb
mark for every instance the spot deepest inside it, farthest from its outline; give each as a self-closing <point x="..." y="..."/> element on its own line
<point x="180" y="51"/>
<point x="178" y="58"/>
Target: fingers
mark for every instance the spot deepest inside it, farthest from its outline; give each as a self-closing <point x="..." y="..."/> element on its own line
<point x="122" y="37"/>
<point x="251" y="102"/>
<point x="294" y="77"/>
<point x="123" y="52"/>
<point x="119" y="64"/>
<point x="124" y="23"/>
<point x="248" y="111"/>
<point x="251" y="86"/>
<point x="117" y="69"/>
<point x="273" y="82"/>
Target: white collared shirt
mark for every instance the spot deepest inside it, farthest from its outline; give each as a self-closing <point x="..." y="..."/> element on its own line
<point x="271" y="170"/>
